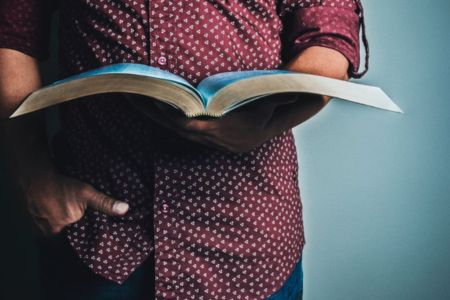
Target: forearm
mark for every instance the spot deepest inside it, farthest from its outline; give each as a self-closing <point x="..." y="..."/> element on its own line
<point x="320" y="61"/>
<point x="23" y="140"/>
<point x="314" y="60"/>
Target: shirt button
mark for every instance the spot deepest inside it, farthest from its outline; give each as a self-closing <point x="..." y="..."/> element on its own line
<point x="165" y="207"/>
<point x="162" y="60"/>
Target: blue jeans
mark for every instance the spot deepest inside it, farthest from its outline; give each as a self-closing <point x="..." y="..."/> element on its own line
<point x="293" y="287"/>
<point x="64" y="276"/>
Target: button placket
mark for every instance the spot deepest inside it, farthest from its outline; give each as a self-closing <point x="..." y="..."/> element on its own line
<point x="167" y="265"/>
<point x="163" y="48"/>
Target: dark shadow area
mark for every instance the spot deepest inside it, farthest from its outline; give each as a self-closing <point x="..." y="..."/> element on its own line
<point x="18" y="250"/>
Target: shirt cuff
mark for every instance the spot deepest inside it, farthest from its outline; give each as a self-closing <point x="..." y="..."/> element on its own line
<point x="332" y="27"/>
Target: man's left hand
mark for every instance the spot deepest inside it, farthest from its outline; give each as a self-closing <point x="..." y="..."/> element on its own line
<point x="243" y="129"/>
<point x="247" y="127"/>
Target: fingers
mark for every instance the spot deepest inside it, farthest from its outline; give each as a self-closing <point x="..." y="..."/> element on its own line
<point x="192" y="129"/>
<point x="187" y="126"/>
<point x="50" y="226"/>
<point x="104" y="203"/>
<point x="42" y="227"/>
<point x="62" y="201"/>
<point x="291" y="115"/>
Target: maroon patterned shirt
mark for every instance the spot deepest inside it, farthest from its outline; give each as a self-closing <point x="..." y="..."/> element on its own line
<point x="222" y="225"/>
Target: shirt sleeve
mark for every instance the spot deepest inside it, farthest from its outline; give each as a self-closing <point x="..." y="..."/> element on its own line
<point x="334" y="24"/>
<point x="25" y="26"/>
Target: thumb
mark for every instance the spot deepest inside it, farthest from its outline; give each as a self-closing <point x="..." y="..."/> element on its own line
<point x="106" y="204"/>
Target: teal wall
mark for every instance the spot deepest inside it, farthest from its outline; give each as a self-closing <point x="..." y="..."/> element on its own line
<point x="376" y="185"/>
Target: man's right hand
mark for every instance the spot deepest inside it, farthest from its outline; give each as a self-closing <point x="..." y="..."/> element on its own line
<point x="55" y="201"/>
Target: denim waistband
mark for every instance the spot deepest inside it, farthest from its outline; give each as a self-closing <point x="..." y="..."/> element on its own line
<point x="293" y="287"/>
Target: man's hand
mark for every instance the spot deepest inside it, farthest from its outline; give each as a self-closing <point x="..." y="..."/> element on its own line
<point x="55" y="201"/>
<point x="251" y="125"/>
<point x="239" y="131"/>
<point x="52" y="199"/>
<point x="244" y="128"/>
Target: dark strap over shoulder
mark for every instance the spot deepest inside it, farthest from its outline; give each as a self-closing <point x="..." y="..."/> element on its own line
<point x="364" y="39"/>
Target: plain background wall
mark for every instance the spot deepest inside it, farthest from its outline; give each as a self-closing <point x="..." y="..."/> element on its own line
<point x="374" y="184"/>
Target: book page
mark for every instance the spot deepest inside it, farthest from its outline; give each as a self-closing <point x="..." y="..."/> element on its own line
<point x="211" y="85"/>
<point x="130" y="69"/>
<point x="228" y="97"/>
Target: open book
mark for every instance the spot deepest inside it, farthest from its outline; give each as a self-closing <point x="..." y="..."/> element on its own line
<point x="214" y="96"/>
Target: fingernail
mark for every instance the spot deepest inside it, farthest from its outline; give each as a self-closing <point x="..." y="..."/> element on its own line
<point x="120" y="207"/>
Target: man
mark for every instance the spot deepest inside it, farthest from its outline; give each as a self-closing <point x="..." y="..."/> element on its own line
<point x="207" y="209"/>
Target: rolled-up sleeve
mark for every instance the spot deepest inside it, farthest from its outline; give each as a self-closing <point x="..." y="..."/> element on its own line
<point x="25" y="26"/>
<point x="328" y="23"/>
